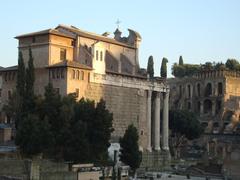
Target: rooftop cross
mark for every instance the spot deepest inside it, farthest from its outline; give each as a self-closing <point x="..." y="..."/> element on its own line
<point x="118" y="23"/>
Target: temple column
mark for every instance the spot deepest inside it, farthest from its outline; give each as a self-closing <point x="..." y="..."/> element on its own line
<point x="157" y="122"/>
<point x="149" y="110"/>
<point x="165" y="120"/>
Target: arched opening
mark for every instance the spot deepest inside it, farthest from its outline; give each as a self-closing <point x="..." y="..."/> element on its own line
<point x="218" y="106"/>
<point x="220" y="88"/>
<point x="207" y="106"/>
<point x="198" y="90"/>
<point x="198" y="106"/>
<point x="189" y="106"/>
<point x="208" y="90"/>
<point x="204" y="125"/>
<point x="180" y="90"/>
<point x="189" y="91"/>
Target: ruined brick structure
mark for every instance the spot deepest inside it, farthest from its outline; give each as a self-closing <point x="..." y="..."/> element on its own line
<point x="213" y="95"/>
<point x="97" y="66"/>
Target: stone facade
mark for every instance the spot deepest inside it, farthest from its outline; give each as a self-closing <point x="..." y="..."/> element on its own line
<point x="213" y="95"/>
<point x="96" y="66"/>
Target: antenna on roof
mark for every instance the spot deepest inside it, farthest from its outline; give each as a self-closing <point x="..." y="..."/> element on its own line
<point x="118" y="23"/>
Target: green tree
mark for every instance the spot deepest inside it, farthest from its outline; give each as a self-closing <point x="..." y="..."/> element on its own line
<point x="232" y="64"/>
<point x="184" y="125"/>
<point x="208" y="66"/>
<point x="180" y="61"/>
<point x="129" y="152"/>
<point x="164" y="68"/>
<point x="219" y="66"/>
<point x="150" y="67"/>
<point x="30" y="78"/>
<point x="33" y="136"/>
<point x="77" y="144"/>
<point x="100" y="137"/>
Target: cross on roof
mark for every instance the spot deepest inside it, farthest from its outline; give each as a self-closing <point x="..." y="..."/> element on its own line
<point x="118" y="23"/>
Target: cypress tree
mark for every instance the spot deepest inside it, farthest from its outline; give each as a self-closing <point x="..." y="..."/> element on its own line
<point x="150" y="68"/>
<point x="30" y="78"/>
<point x="130" y="153"/>
<point x="20" y="89"/>
<point x="180" y="61"/>
<point x="164" y="67"/>
<point x="20" y="76"/>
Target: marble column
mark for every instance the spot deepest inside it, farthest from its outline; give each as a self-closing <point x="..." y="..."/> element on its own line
<point x="165" y="120"/>
<point x="157" y="122"/>
<point x="149" y="124"/>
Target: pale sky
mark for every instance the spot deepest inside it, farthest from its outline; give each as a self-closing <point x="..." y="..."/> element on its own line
<point x="200" y="31"/>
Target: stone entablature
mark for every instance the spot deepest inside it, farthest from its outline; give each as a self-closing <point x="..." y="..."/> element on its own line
<point x="130" y="82"/>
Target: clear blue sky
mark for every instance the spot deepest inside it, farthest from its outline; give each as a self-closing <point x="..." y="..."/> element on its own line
<point x="200" y="31"/>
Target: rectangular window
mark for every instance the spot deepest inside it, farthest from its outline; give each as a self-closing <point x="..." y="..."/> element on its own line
<point x="88" y="77"/>
<point x="9" y="76"/>
<point x="9" y="94"/>
<point x="97" y="55"/>
<point x="58" y="73"/>
<point x="77" y="92"/>
<point x="62" y="73"/>
<point x="53" y="73"/>
<point x="63" y="54"/>
<point x="101" y="56"/>
<point x="5" y="76"/>
<point x="13" y="75"/>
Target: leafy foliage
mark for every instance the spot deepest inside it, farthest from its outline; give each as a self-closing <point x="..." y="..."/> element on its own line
<point x="150" y="67"/>
<point x="33" y="136"/>
<point x="180" y="70"/>
<point x="130" y="153"/>
<point x="185" y="123"/>
<point x="232" y="64"/>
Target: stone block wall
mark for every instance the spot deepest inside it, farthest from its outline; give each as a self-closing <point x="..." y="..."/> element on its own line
<point x="128" y="106"/>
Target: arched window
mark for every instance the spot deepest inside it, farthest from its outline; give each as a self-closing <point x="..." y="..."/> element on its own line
<point x="199" y="106"/>
<point x="78" y="74"/>
<point x="207" y="106"/>
<point x="198" y="90"/>
<point x="208" y="90"/>
<point x="96" y="54"/>
<point x="73" y="74"/>
<point x="82" y="75"/>
<point x="180" y="90"/>
<point x="220" y="88"/>
<point x="189" y="91"/>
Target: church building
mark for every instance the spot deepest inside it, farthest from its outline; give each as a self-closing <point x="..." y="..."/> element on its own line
<point x="97" y="66"/>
